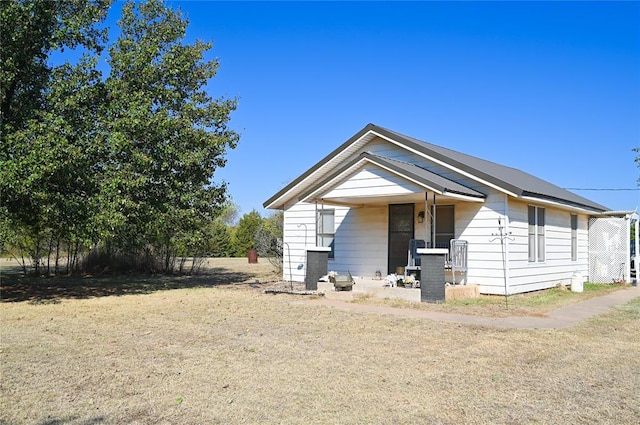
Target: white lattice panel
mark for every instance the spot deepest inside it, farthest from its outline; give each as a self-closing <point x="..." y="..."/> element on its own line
<point x="607" y="249"/>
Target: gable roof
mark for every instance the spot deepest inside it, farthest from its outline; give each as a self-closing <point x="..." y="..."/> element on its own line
<point x="509" y="180"/>
<point x="412" y="172"/>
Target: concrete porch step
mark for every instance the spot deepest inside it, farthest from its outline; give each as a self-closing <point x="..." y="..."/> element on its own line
<point x="376" y="288"/>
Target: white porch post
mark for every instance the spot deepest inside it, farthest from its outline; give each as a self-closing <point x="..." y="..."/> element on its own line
<point x="627" y="249"/>
<point x="430" y="222"/>
<point x="633" y="217"/>
<point x="426" y="215"/>
<point x="433" y="224"/>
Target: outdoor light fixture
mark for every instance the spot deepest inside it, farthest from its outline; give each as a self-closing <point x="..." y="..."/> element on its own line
<point x="421" y="217"/>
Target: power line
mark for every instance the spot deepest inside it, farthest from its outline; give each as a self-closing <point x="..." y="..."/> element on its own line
<point x="602" y="190"/>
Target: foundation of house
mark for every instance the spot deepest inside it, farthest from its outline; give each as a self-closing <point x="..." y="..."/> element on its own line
<point x="363" y="287"/>
<point x="459" y="292"/>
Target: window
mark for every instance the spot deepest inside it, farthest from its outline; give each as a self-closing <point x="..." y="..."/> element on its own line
<point x="536" y="234"/>
<point x="574" y="237"/>
<point x="326" y="230"/>
<point x="445" y="222"/>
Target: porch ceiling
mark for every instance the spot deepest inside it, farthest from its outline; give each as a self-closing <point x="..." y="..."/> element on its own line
<point x="375" y="201"/>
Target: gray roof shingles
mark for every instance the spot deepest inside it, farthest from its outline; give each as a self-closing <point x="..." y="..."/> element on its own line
<point x="511" y="179"/>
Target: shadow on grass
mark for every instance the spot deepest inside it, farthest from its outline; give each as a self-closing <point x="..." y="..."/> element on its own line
<point x="50" y="290"/>
<point x="92" y="421"/>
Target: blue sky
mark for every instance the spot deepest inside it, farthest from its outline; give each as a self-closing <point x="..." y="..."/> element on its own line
<point x="550" y="88"/>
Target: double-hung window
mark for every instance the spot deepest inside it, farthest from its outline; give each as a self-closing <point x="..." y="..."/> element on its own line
<point x="326" y="229"/>
<point x="536" y="234"/>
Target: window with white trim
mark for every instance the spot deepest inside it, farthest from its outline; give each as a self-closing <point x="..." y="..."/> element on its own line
<point x="326" y="229"/>
<point x="536" y="234"/>
<point x="574" y="237"/>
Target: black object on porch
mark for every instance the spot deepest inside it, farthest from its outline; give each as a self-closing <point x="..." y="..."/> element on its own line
<point x="432" y="289"/>
<point x="317" y="266"/>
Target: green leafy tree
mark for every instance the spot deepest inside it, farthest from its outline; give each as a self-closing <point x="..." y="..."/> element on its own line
<point x="245" y="233"/>
<point x="220" y="240"/>
<point x="46" y="111"/>
<point x="48" y="186"/>
<point x="122" y="164"/>
<point x="29" y="32"/>
<point x="167" y="136"/>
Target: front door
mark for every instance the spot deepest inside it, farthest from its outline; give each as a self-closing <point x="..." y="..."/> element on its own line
<point x="401" y="228"/>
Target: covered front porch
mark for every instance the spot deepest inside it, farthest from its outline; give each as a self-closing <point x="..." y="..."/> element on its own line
<point x="370" y="287"/>
<point x="374" y="212"/>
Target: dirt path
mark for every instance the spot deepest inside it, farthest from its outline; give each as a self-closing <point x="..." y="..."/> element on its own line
<point x="562" y="318"/>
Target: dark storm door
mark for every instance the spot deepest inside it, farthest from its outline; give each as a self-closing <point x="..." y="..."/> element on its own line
<point x="401" y="227"/>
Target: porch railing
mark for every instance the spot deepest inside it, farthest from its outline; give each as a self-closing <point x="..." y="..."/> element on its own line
<point x="455" y="258"/>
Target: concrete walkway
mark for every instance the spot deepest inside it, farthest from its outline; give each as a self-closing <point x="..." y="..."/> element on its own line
<point x="561" y="318"/>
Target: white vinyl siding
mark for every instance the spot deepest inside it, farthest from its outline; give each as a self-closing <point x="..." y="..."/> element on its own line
<point x="298" y="235"/>
<point x="372" y="180"/>
<point x="477" y="223"/>
<point x="558" y="267"/>
<point x="360" y="240"/>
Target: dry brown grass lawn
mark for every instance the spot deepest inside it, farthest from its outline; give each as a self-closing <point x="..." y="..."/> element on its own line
<point x="535" y="304"/>
<point x="207" y="354"/>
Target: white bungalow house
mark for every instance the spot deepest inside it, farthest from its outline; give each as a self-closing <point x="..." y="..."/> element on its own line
<point x="369" y="197"/>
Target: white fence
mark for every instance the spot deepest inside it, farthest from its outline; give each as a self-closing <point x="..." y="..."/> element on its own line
<point x="609" y="249"/>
